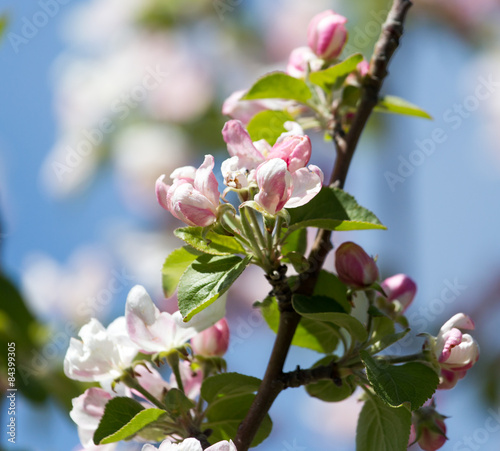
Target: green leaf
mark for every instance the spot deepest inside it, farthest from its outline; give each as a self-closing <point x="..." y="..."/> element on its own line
<point x="322" y="308"/>
<point x="381" y="427"/>
<point x="396" y="105"/>
<point x="207" y="278"/>
<point x="384" y="335"/>
<point x="177" y="403"/>
<point x="175" y="265"/>
<point x="209" y="243"/>
<point x="334" y="76"/>
<point x="228" y="384"/>
<point x="412" y="383"/>
<point x="123" y="418"/>
<point x="225" y="415"/>
<point x="295" y="242"/>
<point x="311" y="334"/>
<point x="333" y="209"/>
<point x="278" y="85"/>
<point x="329" y="285"/>
<point x="268" y="125"/>
<point x="328" y="391"/>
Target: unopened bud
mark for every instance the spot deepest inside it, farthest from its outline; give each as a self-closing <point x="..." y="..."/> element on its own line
<point x="327" y="34"/>
<point x="212" y="342"/>
<point x="400" y="288"/>
<point x="354" y="266"/>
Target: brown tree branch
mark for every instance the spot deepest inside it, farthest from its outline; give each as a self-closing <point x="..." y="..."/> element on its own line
<point x="275" y="380"/>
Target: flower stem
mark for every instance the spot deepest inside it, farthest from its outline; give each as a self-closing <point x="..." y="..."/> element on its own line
<point x="133" y="383"/>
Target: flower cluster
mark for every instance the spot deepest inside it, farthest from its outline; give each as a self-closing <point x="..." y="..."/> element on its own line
<point x="108" y="356"/>
<point x="275" y="177"/>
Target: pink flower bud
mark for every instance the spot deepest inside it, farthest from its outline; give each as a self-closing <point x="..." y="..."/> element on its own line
<point x="326" y="34"/>
<point x="363" y="67"/>
<point x="298" y="61"/>
<point x="212" y="342"/>
<point x="192" y="200"/>
<point x="295" y="151"/>
<point x="354" y="266"/>
<point x="456" y="351"/>
<point x="400" y="288"/>
<point x="429" y="427"/>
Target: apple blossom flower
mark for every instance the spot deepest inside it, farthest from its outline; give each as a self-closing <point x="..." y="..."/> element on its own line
<point x="87" y="412"/>
<point x="278" y="188"/>
<point x="400" y="290"/>
<point x="354" y="266"/>
<point x="294" y="150"/>
<point x="194" y="195"/>
<point x="212" y="342"/>
<point x="191" y="444"/>
<point x="326" y="34"/>
<point x="102" y="354"/>
<point x="154" y="331"/>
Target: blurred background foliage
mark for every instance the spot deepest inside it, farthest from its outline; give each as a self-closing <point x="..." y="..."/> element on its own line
<point x="79" y="231"/>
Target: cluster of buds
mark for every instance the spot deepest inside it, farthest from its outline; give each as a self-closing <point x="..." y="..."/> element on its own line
<point x="356" y="269"/>
<point x="108" y="356"/>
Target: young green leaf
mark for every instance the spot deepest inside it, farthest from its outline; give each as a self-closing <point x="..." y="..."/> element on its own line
<point x="396" y="105"/>
<point x="123" y="418"/>
<point x="327" y="390"/>
<point x="295" y="242"/>
<point x="228" y="384"/>
<point x="278" y="85"/>
<point x="334" y="76"/>
<point x="207" y="278"/>
<point x="333" y="209"/>
<point x="381" y="427"/>
<point x="268" y="125"/>
<point x="412" y="383"/>
<point x="225" y="415"/>
<point x="177" y="403"/>
<point x="311" y="334"/>
<point x="322" y="308"/>
<point x="175" y="265"/>
<point x="329" y="285"/>
<point x="210" y="243"/>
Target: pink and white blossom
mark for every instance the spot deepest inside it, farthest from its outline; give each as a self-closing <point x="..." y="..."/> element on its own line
<point x="87" y="412"/>
<point x="455" y="350"/>
<point x="194" y="195"/>
<point x="154" y="331"/>
<point x="101" y="354"/>
<point x="326" y="34"/>
<point x="190" y="444"/>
